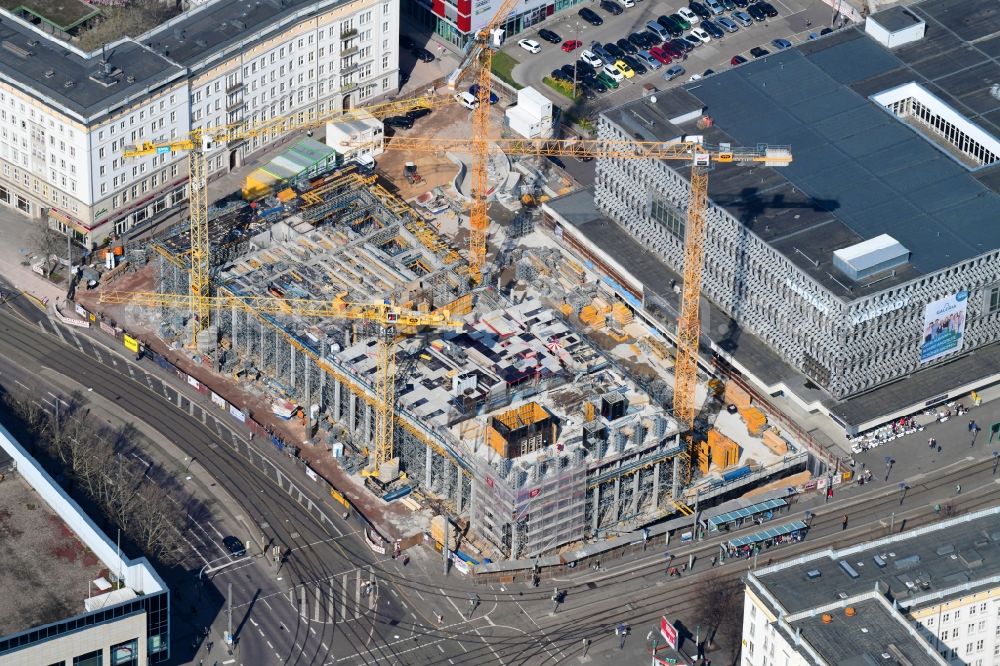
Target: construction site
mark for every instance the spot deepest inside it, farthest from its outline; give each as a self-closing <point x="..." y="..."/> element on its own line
<point x="502" y="381"/>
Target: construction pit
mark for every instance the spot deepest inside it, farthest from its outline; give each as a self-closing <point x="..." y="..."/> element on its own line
<point x="541" y="425"/>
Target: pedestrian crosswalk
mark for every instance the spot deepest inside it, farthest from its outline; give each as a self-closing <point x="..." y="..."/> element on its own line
<point x="342" y="598"/>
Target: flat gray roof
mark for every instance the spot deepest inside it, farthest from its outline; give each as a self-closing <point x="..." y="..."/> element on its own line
<point x="858" y="171"/>
<point x="862" y="639"/>
<point x="895" y="18"/>
<point x="44" y="67"/>
<point x="928" y="561"/>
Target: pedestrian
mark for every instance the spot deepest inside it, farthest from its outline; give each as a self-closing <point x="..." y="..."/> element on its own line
<point x="440" y="618"/>
<point x="844" y="524"/>
<point x="932" y="442"/>
<point x="958" y="488"/>
<point x="972" y="426"/>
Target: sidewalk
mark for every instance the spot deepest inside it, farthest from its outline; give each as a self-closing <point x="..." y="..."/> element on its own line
<point x="17" y="249"/>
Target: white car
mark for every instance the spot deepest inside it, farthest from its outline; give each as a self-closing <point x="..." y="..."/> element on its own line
<point x="695" y="77"/>
<point x="627" y="4"/>
<point x="688" y="15"/>
<point x="591" y="59"/>
<point x="530" y="45"/>
<point x="702" y="36"/>
<point x="614" y="72"/>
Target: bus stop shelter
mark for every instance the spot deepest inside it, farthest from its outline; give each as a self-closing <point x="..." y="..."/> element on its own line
<point x="760" y="512"/>
<point x="745" y="546"/>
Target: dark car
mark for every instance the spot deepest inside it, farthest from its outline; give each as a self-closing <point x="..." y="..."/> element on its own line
<point x="699" y="9"/>
<point x="825" y="31"/>
<point x="627" y="46"/>
<point x="399" y="122"/>
<point x="598" y="49"/>
<point x="570" y="71"/>
<point x="590" y="16"/>
<point x="638" y="41"/>
<point x="682" y="45"/>
<point x="708" y="72"/>
<point x="560" y="75"/>
<point x="670" y="26"/>
<point x="474" y="91"/>
<point x="407" y="42"/>
<point x="756" y="13"/>
<point x="737" y="60"/>
<point x="742" y="4"/>
<point x="549" y="36"/>
<point x="611" y="7"/>
<point x="651" y="39"/>
<point x="759" y="52"/>
<point x="634" y="63"/>
<point x="423" y="55"/>
<point x="728" y="5"/>
<point x="596" y="84"/>
<point x="585" y="90"/>
<point x="768" y="8"/>
<point x="416" y="114"/>
<point x="614" y="50"/>
<point x="681" y="21"/>
<point x="712" y="29"/>
<point x="234" y="546"/>
<point x="584" y="70"/>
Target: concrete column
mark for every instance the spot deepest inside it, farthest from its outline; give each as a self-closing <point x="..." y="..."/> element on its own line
<point x="336" y="399"/>
<point x="307" y="392"/>
<point x="618" y="498"/>
<point x="291" y="365"/>
<point x="427" y="467"/>
<point x="352" y="413"/>
<point x="596" y="509"/>
<point x="656" y="486"/>
<point x="458" y="490"/>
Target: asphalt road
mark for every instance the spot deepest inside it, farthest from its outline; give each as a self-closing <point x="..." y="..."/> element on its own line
<point x="790" y="24"/>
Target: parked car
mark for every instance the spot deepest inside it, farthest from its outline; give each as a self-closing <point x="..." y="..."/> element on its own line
<point x="759" y="52"/>
<point x="559" y="75"/>
<point x="768" y="9"/>
<point x="571" y="71"/>
<point x="591" y="58"/>
<point x="737" y="60"/>
<point x="468" y="100"/>
<point x="701" y="35"/>
<point x="474" y="91"/>
<point x="611" y="69"/>
<point x="423" y="55"/>
<point x="650" y="39"/>
<point x="700" y="9"/>
<point x="673" y="72"/>
<point x="530" y="45"/>
<point x="714" y="6"/>
<point x="609" y="82"/>
<point x="648" y="59"/>
<point x="611" y="7"/>
<point x="712" y="29"/>
<point x="627" y="4"/>
<point x="398" y="122"/>
<point x="635" y="64"/>
<point x="585" y="70"/>
<point x="661" y="55"/>
<point x="234" y="546"/>
<point x="690" y="16"/>
<point x="729" y="5"/>
<point x="613" y="50"/>
<point x="623" y="67"/>
<point x="637" y="40"/>
<point x="585" y="90"/>
<point x="671" y="26"/>
<point x="417" y="114"/>
<point x="549" y="36"/>
<point x="681" y="46"/>
<point x="757" y="13"/>
<point x="825" y="31"/>
<point x="742" y="4"/>
<point x="708" y="72"/>
<point x="627" y="47"/>
<point x="727" y="24"/>
<point x="571" y="45"/>
<point x="590" y="16"/>
<point x="743" y="19"/>
<point x="694" y="77"/>
<point x="602" y="52"/>
<point x="681" y="21"/>
<point x="693" y="41"/>
<point x="596" y="83"/>
<point x="781" y="44"/>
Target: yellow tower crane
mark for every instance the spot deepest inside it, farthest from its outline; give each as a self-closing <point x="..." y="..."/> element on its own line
<point x="200" y="140"/>
<point x="487" y="40"/>
<point x="392" y="321"/>
<point x="701" y="157"/>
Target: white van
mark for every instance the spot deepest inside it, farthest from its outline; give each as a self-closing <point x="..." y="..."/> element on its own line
<point x="468" y="100"/>
<point x="658" y="30"/>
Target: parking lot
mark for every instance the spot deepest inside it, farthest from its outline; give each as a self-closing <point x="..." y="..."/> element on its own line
<point x="795" y="21"/>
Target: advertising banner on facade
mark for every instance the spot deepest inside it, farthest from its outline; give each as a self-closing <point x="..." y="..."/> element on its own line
<point x="130" y="343"/>
<point x="944" y="326"/>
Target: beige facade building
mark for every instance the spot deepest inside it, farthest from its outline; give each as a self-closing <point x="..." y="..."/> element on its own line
<point x="67" y="115"/>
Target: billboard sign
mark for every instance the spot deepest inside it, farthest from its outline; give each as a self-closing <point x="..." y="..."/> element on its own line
<point x="669" y="632"/>
<point x="944" y="326"/>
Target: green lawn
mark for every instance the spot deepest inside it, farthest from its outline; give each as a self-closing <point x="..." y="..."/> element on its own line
<point x="561" y="87"/>
<point x="503" y="65"/>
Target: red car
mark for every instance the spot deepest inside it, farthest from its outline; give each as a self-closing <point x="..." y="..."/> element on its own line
<point x="674" y="52"/>
<point x="737" y="60"/>
<point x="571" y="44"/>
<point x="661" y="55"/>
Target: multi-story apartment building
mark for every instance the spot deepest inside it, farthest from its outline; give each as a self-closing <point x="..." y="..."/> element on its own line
<point x="66" y="115"/>
<point x="70" y="596"/>
<point x="927" y="596"/>
<point x="458" y="21"/>
<point x="870" y="258"/>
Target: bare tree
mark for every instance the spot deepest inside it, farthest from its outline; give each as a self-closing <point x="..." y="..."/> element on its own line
<point x="47" y="243"/>
<point x="720" y="609"/>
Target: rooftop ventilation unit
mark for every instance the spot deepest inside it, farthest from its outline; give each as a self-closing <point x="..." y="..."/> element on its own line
<point x="870" y="257"/>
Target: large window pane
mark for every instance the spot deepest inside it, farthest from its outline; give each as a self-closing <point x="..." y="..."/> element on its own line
<point x="125" y="654"/>
<point x="95" y="658"/>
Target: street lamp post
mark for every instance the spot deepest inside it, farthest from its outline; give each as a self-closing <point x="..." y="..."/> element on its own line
<point x="996" y="461"/>
<point x="902" y="491"/>
<point x="888" y="466"/>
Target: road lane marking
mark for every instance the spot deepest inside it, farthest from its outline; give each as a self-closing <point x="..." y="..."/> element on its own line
<point x="343" y="599"/>
<point x="357" y="595"/>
